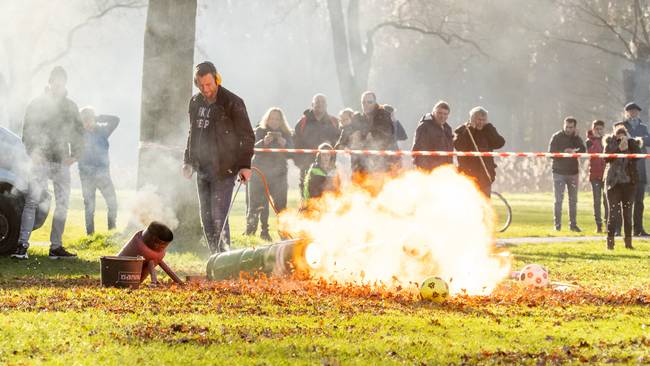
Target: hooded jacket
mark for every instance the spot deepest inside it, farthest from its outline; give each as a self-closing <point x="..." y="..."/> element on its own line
<point x="639" y="130"/>
<point x="221" y="139"/>
<point x="621" y="171"/>
<point x="430" y="136"/>
<point x="596" y="165"/>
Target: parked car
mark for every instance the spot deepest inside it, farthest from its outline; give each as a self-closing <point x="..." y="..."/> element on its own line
<point x="14" y="185"/>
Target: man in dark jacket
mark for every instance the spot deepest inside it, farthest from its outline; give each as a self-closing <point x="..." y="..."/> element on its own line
<point x="565" y="171"/>
<point x="219" y="148"/>
<point x="315" y="127"/>
<point x="52" y="134"/>
<point x="94" y="166"/>
<point x="371" y="129"/>
<point x="596" y="170"/>
<point x="637" y="129"/>
<point x="478" y="135"/>
<point x="434" y="134"/>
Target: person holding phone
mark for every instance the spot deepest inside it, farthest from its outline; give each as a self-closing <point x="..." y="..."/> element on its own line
<point x="272" y="132"/>
<point x="565" y="171"/>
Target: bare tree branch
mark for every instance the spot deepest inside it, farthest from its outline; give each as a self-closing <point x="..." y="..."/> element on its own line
<point x="592" y="45"/>
<point x="447" y="38"/>
<point x="136" y="4"/>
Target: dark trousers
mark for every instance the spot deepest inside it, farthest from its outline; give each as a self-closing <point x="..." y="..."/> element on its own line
<point x="639" y="195"/>
<point x="598" y="192"/>
<point x="620" y="198"/>
<point x="258" y="204"/>
<point x="215" y="195"/>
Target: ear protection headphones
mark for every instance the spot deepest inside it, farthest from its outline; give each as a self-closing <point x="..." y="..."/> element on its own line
<point x="210" y="68"/>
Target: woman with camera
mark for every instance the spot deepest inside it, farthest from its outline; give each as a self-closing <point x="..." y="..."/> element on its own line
<point x="621" y="176"/>
<point x="272" y="132"/>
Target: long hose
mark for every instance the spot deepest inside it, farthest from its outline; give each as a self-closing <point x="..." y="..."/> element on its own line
<point x="267" y="193"/>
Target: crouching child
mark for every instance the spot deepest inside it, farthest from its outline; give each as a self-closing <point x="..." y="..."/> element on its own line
<point x="151" y="244"/>
<point x="321" y="176"/>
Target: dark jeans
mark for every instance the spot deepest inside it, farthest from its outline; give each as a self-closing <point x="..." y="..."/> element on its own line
<point x="258" y="205"/>
<point x="617" y="196"/>
<point x="93" y="179"/>
<point x="570" y="182"/>
<point x="214" y="200"/>
<point x="598" y="192"/>
<point x="639" y="195"/>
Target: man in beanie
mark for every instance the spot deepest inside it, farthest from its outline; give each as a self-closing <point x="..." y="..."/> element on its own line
<point x="53" y="137"/>
<point x="636" y="128"/>
<point x="219" y="148"/>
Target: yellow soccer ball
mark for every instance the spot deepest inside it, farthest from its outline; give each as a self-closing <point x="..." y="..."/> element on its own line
<point x="434" y="289"/>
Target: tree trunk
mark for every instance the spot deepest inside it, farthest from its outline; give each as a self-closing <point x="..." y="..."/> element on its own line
<point x="352" y="61"/>
<point x="166" y="89"/>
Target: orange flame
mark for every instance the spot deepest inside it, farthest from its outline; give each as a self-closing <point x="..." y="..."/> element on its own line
<point x="417" y="225"/>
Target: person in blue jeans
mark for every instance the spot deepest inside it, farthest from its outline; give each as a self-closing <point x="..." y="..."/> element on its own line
<point x="220" y="146"/>
<point x="565" y="171"/>
<point x="94" y="166"/>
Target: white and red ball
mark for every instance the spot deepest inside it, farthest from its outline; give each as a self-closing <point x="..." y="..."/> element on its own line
<point x="534" y="275"/>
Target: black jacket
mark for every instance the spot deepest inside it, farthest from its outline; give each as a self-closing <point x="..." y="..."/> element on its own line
<point x="53" y="128"/>
<point x="221" y="140"/>
<point x="621" y="171"/>
<point x="375" y="132"/>
<point x="487" y="139"/>
<point x="310" y="133"/>
<point x="430" y="136"/>
<point x="271" y="163"/>
<point x="561" y="141"/>
<point x="640" y="131"/>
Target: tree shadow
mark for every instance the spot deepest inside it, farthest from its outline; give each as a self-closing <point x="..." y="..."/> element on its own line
<point x="39" y="268"/>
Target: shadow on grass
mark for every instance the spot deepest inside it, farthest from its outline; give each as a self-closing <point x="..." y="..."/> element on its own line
<point x="43" y="268"/>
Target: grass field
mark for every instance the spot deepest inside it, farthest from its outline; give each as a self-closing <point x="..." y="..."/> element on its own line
<point x="54" y="312"/>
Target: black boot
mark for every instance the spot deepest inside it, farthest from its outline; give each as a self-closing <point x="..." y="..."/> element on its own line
<point x="610" y="243"/>
<point x="265" y="235"/>
<point x="599" y="228"/>
<point x="628" y="242"/>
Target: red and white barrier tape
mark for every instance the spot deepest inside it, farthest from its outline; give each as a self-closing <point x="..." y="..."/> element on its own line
<point x="424" y="153"/>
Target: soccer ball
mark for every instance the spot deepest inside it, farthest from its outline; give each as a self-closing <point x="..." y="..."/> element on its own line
<point x="434" y="289"/>
<point x="534" y="275"/>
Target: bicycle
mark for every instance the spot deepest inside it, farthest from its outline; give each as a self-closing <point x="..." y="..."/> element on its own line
<point x="503" y="210"/>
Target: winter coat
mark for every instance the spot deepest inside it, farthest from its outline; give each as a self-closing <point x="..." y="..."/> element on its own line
<point x="621" y="171"/>
<point x="310" y="133"/>
<point x="487" y="139"/>
<point x="95" y="151"/>
<point x="271" y="163"/>
<point x="559" y="142"/>
<point x="430" y="136"/>
<point x="596" y="165"/>
<point x="220" y="140"/>
<point x="53" y="129"/>
<point x="374" y="132"/>
<point x="640" y="131"/>
<point x="319" y="181"/>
